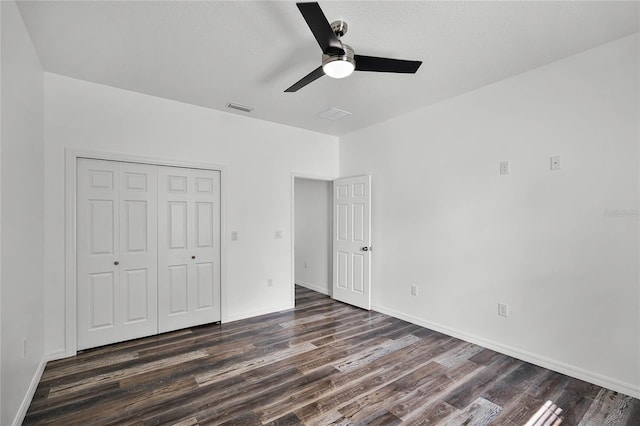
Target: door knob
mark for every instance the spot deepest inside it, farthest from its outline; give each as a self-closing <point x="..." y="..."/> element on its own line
<point x="116" y="263"/>
<point x="193" y="257"/>
<point x="365" y="249"/>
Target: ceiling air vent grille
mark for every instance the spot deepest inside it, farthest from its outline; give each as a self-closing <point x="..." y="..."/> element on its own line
<point x="239" y="107"/>
<point x="334" y="114"/>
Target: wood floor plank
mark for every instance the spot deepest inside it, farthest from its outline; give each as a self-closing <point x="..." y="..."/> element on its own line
<point x="515" y="383"/>
<point x="217" y="403"/>
<point x="83" y="386"/>
<point x="259" y="395"/>
<point x="485" y="357"/>
<point x="469" y="390"/>
<point x="459" y="356"/>
<point x="370" y="377"/>
<point x="549" y="385"/>
<point x="519" y="410"/>
<point x="575" y="400"/>
<point x="432" y="414"/>
<point x="241" y="367"/>
<point x="423" y="400"/>
<point x="385" y="349"/>
<point x="88" y="365"/>
<point x="322" y="363"/>
<point x="479" y="412"/>
<point x="191" y="421"/>
<point x="381" y="417"/>
<point x="608" y="408"/>
<point x="115" y="407"/>
<point x="394" y="390"/>
<point x="331" y="418"/>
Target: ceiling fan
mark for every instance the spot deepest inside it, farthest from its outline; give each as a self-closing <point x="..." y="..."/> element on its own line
<point x="338" y="58"/>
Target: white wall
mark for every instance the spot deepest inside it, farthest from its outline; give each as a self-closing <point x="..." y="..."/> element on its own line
<point x="259" y="157"/>
<point x="313" y="207"/>
<point x="543" y="242"/>
<point x="22" y="183"/>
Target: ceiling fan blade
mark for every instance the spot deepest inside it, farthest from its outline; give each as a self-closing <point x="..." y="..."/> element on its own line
<point x="312" y="76"/>
<point x="373" y="63"/>
<point x="320" y="27"/>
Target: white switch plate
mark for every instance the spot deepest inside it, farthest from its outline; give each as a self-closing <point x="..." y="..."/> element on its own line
<point x="556" y="163"/>
<point x="505" y="169"/>
<point x="503" y="309"/>
<point x="414" y="290"/>
<point x="234" y="235"/>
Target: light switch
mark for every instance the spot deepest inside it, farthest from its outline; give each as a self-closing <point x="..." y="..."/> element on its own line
<point x="503" y="309"/>
<point x="556" y="164"/>
<point x="278" y="235"/>
<point x="505" y="169"/>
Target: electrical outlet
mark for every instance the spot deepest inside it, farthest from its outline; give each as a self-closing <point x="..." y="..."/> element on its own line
<point x="270" y="282"/>
<point x="414" y="290"/>
<point x="556" y="163"/>
<point x="505" y="168"/>
<point x="234" y="235"/>
<point x="503" y="310"/>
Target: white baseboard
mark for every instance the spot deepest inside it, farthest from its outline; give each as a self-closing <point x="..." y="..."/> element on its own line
<point x="33" y="386"/>
<point x="551" y="364"/>
<point x="26" y="401"/>
<point x="320" y="289"/>
<point x="251" y="314"/>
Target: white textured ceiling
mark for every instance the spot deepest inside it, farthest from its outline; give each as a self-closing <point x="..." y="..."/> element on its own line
<point x="210" y="53"/>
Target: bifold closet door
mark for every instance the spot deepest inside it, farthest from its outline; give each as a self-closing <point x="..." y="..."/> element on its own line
<point x="188" y="247"/>
<point x="116" y="252"/>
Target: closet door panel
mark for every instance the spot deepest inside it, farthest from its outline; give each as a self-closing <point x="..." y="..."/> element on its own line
<point x="139" y="247"/>
<point x="116" y="251"/>
<point x="189" y="242"/>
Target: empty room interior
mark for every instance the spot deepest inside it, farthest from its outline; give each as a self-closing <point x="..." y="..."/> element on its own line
<point x="344" y="212"/>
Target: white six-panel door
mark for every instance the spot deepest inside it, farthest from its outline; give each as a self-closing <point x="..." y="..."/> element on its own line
<point x="352" y="241"/>
<point x="148" y="250"/>
<point x="116" y="252"/>
<point x="189" y="247"/>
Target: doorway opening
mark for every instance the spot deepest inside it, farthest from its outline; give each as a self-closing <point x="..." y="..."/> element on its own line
<point x="312" y="234"/>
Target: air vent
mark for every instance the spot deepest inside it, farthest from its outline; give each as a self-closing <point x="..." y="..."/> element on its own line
<point x="239" y="107"/>
<point x="334" y="114"/>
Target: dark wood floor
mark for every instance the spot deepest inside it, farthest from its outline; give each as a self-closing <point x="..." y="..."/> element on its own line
<point x="322" y="363"/>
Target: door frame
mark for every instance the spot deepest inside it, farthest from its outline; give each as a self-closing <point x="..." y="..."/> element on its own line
<point x="294" y="176"/>
<point x="71" y="157"/>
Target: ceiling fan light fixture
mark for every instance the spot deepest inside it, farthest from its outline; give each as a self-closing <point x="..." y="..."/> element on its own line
<point x="339" y="66"/>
